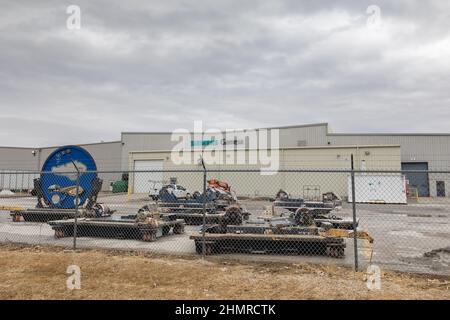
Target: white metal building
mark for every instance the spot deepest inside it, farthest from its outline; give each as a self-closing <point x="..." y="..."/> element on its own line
<point x="417" y="152"/>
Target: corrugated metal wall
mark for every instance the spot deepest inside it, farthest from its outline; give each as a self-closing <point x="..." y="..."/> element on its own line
<point x="18" y="159"/>
<point x="432" y="149"/>
<point x="255" y="184"/>
<point x="290" y="137"/>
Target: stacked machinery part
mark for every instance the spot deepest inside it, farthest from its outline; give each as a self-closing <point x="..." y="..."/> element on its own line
<point x="218" y="202"/>
<point x="320" y="212"/>
<point x="299" y="233"/>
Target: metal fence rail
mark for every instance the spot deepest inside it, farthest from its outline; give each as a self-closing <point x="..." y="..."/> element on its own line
<point x="342" y="217"/>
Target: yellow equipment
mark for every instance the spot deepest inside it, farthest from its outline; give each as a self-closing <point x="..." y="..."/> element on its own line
<point x="11" y="208"/>
<point x="341" y="233"/>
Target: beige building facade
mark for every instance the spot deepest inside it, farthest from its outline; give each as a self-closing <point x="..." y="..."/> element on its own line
<point x="250" y="179"/>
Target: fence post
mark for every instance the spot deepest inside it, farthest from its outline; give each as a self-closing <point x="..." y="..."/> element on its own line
<point x="204" y="210"/>
<point x="355" y="239"/>
<point x="77" y="200"/>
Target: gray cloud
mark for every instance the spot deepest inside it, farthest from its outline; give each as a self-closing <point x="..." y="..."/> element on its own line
<point x="152" y="66"/>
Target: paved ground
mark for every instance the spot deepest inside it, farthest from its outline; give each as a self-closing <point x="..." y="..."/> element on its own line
<point x="414" y="237"/>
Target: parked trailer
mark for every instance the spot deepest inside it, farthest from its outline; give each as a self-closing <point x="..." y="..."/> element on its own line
<point x="117" y="228"/>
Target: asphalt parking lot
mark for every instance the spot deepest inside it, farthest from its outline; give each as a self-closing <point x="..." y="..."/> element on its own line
<point x="413" y="237"/>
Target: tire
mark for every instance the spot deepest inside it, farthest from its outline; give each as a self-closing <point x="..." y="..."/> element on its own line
<point x="233" y="216"/>
<point x="196" y="195"/>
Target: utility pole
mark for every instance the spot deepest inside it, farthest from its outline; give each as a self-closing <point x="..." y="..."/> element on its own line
<point x="77" y="200"/>
<point x="355" y="240"/>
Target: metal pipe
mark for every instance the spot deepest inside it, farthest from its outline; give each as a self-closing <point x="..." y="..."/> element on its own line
<point x="77" y="200"/>
<point x="204" y="210"/>
<point x="355" y="239"/>
<point x="39" y="159"/>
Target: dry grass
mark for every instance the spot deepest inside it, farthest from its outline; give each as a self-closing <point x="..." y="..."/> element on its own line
<point x="39" y="273"/>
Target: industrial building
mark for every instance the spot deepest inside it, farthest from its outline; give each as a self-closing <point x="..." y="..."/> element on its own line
<point x="302" y="146"/>
<point x="254" y="183"/>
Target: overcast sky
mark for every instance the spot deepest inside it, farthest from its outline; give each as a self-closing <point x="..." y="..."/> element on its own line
<point x="160" y="65"/>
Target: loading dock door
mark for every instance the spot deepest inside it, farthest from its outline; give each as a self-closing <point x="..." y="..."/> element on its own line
<point x="143" y="181"/>
<point x="418" y="180"/>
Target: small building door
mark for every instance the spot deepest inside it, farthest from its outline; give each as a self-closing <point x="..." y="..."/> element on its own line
<point x="440" y="188"/>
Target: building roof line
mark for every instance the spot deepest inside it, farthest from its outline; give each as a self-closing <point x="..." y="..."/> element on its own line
<point x="53" y="147"/>
<point x="322" y="124"/>
<point x="82" y="144"/>
<point x="20" y="148"/>
<point x="397" y="134"/>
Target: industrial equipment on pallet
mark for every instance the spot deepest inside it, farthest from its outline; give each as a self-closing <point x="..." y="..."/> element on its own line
<point x="56" y="188"/>
<point x="321" y="211"/>
<point x="210" y="217"/>
<point x="98" y="210"/>
<point x="215" y="201"/>
<point x="329" y="202"/>
<point x="146" y="226"/>
<point x="296" y="234"/>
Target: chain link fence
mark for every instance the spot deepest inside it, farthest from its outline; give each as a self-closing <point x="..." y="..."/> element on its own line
<point x="342" y="217"/>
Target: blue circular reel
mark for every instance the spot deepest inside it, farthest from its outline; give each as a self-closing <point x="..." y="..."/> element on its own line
<point x="59" y="178"/>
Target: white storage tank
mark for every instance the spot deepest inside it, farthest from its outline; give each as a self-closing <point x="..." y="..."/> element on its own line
<point x="378" y="188"/>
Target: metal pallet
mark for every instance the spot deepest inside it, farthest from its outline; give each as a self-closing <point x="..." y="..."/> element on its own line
<point x="117" y="228"/>
<point x="43" y="214"/>
<point x="269" y="243"/>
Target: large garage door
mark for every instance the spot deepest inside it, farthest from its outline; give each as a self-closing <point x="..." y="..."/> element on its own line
<point x="418" y="180"/>
<point x="144" y="181"/>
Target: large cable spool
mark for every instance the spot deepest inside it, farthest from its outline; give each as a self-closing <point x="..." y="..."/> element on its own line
<point x="58" y="180"/>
